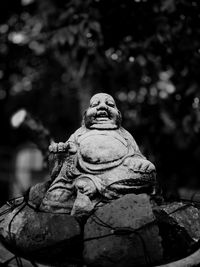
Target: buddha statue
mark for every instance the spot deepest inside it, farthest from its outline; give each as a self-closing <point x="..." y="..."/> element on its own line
<point x="91" y="173"/>
<point x="103" y="161"/>
<point x="99" y="207"/>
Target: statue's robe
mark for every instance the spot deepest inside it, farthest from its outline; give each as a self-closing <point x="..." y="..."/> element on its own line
<point x="106" y="157"/>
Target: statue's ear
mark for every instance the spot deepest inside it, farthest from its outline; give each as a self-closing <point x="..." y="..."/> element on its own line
<point x="84" y="118"/>
<point x="119" y="120"/>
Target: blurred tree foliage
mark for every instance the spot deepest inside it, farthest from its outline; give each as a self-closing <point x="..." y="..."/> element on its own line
<point x="55" y="54"/>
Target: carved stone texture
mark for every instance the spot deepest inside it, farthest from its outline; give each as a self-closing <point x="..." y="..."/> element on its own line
<point x="179" y="226"/>
<point x="123" y="233"/>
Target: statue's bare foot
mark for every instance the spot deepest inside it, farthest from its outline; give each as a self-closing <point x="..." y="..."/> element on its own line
<point x="86" y="186"/>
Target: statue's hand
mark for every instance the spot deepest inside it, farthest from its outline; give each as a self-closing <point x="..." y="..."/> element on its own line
<point x="86" y="186"/>
<point x="58" y="147"/>
<point x="144" y="165"/>
<point x="139" y="164"/>
<point x="62" y="147"/>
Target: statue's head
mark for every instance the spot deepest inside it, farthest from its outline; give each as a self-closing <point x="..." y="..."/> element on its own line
<point x="102" y="113"/>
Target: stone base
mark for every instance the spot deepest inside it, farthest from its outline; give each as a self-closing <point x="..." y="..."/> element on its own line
<point x="44" y="237"/>
<point x="123" y="233"/>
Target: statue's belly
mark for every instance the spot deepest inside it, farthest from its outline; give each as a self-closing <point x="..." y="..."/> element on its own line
<point x="102" y="149"/>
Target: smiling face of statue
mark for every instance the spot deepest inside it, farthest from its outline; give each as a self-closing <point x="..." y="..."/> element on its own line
<point x="102" y="113"/>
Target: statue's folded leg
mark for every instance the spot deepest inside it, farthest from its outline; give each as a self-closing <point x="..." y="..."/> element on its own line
<point x="60" y="196"/>
<point x="36" y="193"/>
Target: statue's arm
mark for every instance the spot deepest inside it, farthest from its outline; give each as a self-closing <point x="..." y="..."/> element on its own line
<point x="56" y="158"/>
<point x="142" y="168"/>
<point x="141" y="163"/>
<point x="132" y="144"/>
<point x="58" y="153"/>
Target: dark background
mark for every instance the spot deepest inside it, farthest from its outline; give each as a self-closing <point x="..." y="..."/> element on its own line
<point x="55" y="54"/>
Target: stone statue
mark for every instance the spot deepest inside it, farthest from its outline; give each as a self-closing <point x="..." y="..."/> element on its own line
<point x="102" y="162"/>
<point x="99" y="207"/>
